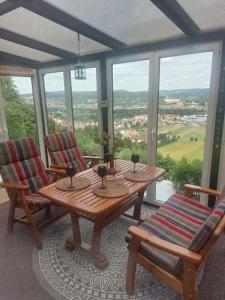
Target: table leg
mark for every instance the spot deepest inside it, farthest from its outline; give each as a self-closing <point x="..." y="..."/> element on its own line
<point x="75" y="240"/>
<point x="101" y="261"/>
<point x="137" y="206"/>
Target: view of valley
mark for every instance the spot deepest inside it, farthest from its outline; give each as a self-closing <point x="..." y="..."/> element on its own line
<point x="182" y="113"/>
<point x="182" y="118"/>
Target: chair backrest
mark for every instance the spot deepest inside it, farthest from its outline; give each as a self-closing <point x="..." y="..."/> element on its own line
<point x="20" y="162"/>
<point x="202" y="236"/>
<point x="205" y="232"/>
<point x="63" y="150"/>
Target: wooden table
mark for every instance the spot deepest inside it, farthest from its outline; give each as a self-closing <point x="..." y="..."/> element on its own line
<point x="102" y="211"/>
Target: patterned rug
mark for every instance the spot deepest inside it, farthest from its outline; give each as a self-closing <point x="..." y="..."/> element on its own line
<point x="72" y="275"/>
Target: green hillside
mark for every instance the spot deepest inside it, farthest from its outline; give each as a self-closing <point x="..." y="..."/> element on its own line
<point x="184" y="147"/>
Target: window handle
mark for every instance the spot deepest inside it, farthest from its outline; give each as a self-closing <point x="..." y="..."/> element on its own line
<point x="153" y="134"/>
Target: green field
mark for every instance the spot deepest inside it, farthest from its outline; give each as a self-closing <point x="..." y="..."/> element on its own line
<point x="184" y="147"/>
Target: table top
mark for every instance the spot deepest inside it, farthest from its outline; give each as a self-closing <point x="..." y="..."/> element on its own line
<point x="86" y="202"/>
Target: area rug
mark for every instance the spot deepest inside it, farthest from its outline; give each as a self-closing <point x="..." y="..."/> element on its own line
<point x="72" y="275"/>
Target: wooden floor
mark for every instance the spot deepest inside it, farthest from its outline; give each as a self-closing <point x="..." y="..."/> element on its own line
<point x="3" y="196"/>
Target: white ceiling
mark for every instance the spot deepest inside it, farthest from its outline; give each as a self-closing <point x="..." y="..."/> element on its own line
<point x="26" y="52"/>
<point x="41" y="29"/>
<point x="132" y="22"/>
<point x="207" y="14"/>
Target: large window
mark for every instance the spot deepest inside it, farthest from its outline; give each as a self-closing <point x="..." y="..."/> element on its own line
<point x="19" y="110"/>
<point x="182" y="119"/>
<point x="55" y="102"/>
<point x="85" y="111"/>
<point x="130" y="107"/>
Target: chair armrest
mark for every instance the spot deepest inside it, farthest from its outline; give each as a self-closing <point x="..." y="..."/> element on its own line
<point x="189" y="189"/>
<point x="62" y="166"/>
<point x="56" y="171"/>
<point x="14" y="185"/>
<point x="156" y="242"/>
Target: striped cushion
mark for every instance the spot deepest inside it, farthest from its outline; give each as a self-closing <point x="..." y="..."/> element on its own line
<point x="184" y="212"/>
<point x="181" y="221"/>
<point x="36" y="199"/>
<point x="204" y="233"/>
<point x="16" y="150"/>
<point x="63" y="149"/>
<point x="168" y="231"/>
<point x="20" y="162"/>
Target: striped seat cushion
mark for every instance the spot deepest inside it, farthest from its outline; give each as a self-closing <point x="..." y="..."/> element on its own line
<point x="185" y="212"/>
<point x="170" y="232"/>
<point x="63" y="150"/>
<point x="20" y="162"/>
<point x="38" y="200"/>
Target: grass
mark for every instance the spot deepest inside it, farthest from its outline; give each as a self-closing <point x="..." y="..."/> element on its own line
<point x="184" y="147"/>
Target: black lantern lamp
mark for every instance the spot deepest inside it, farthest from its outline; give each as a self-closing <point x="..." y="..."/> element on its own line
<point x="79" y="69"/>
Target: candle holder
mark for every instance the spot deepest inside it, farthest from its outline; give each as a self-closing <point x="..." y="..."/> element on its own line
<point x="102" y="172"/>
<point x="135" y="159"/>
<point x="70" y="172"/>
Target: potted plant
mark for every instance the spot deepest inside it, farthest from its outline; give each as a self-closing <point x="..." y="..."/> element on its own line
<point x="109" y="153"/>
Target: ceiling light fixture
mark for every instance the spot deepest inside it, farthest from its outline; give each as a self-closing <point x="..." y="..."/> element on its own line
<point x="79" y="69"/>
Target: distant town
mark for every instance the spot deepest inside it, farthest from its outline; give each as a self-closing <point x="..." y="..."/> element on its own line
<point x="179" y="111"/>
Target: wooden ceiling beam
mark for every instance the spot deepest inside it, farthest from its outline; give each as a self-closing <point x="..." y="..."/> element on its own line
<point x="60" y="17"/>
<point x="175" y="12"/>
<point x="34" y="44"/>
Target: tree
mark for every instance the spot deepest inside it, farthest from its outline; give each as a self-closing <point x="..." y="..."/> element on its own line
<point x="186" y="172"/>
<point x="20" y="115"/>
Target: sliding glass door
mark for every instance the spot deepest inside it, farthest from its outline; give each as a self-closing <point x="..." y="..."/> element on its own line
<point x="183" y="105"/>
<point x="163" y="108"/>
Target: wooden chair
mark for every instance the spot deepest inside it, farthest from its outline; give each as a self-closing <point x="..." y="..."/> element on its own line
<point x="64" y="152"/>
<point x="175" y="242"/>
<point x="23" y="173"/>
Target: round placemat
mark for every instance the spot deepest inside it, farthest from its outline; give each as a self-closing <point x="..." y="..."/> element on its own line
<point x="113" y="190"/>
<point x="95" y="168"/>
<point x="138" y="176"/>
<point x="79" y="183"/>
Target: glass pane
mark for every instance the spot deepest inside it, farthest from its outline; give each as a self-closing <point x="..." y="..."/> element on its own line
<point x="85" y="111"/>
<point x="130" y="108"/>
<point x="19" y="107"/>
<point x="207" y="14"/>
<point x="130" y="21"/>
<point x="44" y="30"/>
<point x="55" y="102"/>
<point x="182" y="117"/>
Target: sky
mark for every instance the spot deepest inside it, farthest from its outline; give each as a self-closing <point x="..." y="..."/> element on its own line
<point x="179" y="72"/>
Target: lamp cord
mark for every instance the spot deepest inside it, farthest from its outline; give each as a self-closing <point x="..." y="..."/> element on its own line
<point x="78" y="45"/>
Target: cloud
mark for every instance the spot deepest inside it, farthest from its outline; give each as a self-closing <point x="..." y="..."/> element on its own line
<point x="178" y="72"/>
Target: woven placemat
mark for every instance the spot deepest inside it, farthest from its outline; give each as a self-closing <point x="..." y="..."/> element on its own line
<point x="138" y="176"/>
<point x="79" y="183"/>
<point x="113" y="190"/>
<point x="118" y="168"/>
